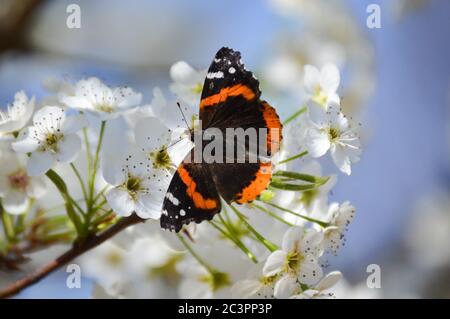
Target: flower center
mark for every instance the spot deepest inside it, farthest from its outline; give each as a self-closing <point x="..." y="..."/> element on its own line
<point x="293" y="261"/>
<point x="267" y="281"/>
<point x="334" y="133"/>
<point x="51" y="141"/>
<point x="319" y="96"/>
<point x="197" y="88"/>
<point x="114" y="258"/>
<point x="308" y="197"/>
<point x="161" y="158"/>
<point x="167" y="271"/>
<point x="133" y="184"/>
<point x="19" y="180"/>
<point x="216" y="280"/>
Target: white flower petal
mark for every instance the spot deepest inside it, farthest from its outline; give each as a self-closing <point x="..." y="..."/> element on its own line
<point x="39" y="163"/>
<point x="194" y="289"/>
<point x="311" y="242"/>
<point x="291" y="239"/>
<point x="136" y="163"/>
<point x="329" y="280"/>
<point x="310" y="270"/>
<point x="68" y="148"/>
<point x="49" y="117"/>
<point x="329" y="78"/>
<point x="148" y="207"/>
<point x="245" y="288"/>
<point x="9" y="126"/>
<point x="168" y="112"/>
<point x="74" y="123"/>
<point x="27" y="106"/>
<point x="318" y="143"/>
<point x="15" y="202"/>
<point x="37" y="187"/>
<point x="151" y="134"/>
<point x="25" y="143"/>
<point x="120" y="201"/>
<point x="77" y="102"/>
<point x="180" y="150"/>
<point x="341" y="159"/>
<point x="126" y="97"/>
<point x="182" y="72"/>
<point x="274" y="263"/>
<point x="311" y="78"/>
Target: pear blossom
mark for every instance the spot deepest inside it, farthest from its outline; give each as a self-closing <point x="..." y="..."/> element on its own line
<point x="199" y="282"/>
<point x="94" y="96"/>
<point x="296" y="262"/>
<point x="339" y="217"/>
<point x="321" y="85"/>
<point x="320" y="290"/>
<point x="331" y="131"/>
<point x="59" y="88"/>
<point x="17" y="188"/>
<point x="187" y="82"/>
<point x="175" y="116"/>
<point x="52" y="138"/>
<point x="136" y="188"/>
<point x="107" y="263"/>
<point x="256" y="286"/>
<point x="17" y="114"/>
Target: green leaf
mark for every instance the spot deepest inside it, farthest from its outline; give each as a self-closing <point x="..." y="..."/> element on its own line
<point x="69" y="202"/>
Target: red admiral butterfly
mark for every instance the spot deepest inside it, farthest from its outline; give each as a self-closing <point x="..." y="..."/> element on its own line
<point x="230" y="99"/>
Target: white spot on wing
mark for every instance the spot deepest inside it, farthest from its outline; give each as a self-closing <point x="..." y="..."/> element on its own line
<point x="231" y="70"/>
<point x="215" y="75"/>
<point x="182" y="212"/>
<point x="172" y="199"/>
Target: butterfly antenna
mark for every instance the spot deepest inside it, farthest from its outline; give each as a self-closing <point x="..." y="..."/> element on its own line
<point x="175" y="143"/>
<point x="184" y="117"/>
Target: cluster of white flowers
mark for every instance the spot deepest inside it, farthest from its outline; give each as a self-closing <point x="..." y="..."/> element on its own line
<point x="132" y="151"/>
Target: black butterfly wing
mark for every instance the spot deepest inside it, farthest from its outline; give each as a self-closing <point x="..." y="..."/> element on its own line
<point x="191" y="197"/>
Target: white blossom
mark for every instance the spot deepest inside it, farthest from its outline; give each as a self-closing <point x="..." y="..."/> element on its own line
<point x="52" y="138"/>
<point x="199" y="282"/>
<point x="339" y="217"/>
<point x="331" y="131"/>
<point x="296" y="262"/>
<point x="321" y="86"/>
<point x="256" y="286"/>
<point x="137" y="188"/>
<point x="94" y="96"/>
<point x="187" y="82"/>
<point x="17" y="188"/>
<point x="321" y="289"/>
<point x="17" y="114"/>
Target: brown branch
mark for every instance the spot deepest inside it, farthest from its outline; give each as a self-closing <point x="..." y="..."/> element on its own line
<point x="71" y="254"/>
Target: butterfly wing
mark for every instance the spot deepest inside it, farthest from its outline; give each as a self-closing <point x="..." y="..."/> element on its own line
<point x="191" y="196"/>
<point x="227" y="80"/>
<point x="231" y="99"/>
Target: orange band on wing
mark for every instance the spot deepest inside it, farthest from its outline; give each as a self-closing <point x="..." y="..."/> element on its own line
<point x="197" y="198"/>
<point x="274" y="128"/>
<point x="259" y="184"/>
<point x="235" y="90"/>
